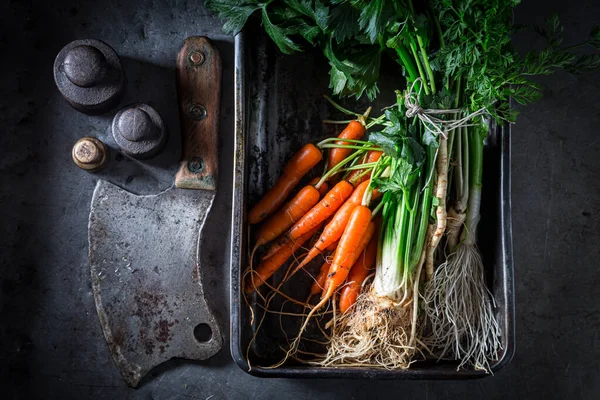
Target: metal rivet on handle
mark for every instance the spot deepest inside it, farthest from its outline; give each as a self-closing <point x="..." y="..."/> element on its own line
<point x="196" y="57"/>
<point x="196" y="165"/>
<point x="197" y="112"/>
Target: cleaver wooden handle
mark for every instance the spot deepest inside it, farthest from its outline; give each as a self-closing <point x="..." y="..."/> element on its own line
<point x="199" y="93"/>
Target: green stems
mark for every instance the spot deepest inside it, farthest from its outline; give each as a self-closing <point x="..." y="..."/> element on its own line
<point x="378" y="170"/>
<point x="388" y="272"/>
<point x="377" y="209"/>
<point x="340" y="165"/>
<point x="336" y="139"/>
<point x="340" y="108"/>
<point x="413" y="48"/>
<point x="413" y="214"/>
<point x="337" y="122"/>
<point x="476" y="172"/>
<point x="464" y="165"/>
<point x="460" y="168"/>
<point x="347" y="146"/>
<point x="368" y="166"/>
<point x="402" y="226"/>
<point x="427" y="65"/>
<point x="376" y="121"/>
<point x="407" y="62"/>
<point x="397" y="237"/>
<point x="425" y="208"/>
<point x="438" y="28"/>
<point x="476" y="154"/>
<point x="425" y="58"/>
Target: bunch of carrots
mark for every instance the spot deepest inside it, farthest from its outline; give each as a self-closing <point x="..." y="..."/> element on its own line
<point x="340" y="217"/>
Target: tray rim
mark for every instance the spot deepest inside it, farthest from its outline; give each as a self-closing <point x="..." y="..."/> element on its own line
<point x="237" y="231"/>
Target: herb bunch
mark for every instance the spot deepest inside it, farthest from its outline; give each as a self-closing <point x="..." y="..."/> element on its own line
<point x="440" y="41"/>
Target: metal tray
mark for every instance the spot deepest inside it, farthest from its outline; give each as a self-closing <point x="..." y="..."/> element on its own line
<point x="278" y="108"/>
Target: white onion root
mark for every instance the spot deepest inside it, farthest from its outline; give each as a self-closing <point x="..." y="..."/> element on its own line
<point x="460" y="310"/>
<point x="374" y="332"/>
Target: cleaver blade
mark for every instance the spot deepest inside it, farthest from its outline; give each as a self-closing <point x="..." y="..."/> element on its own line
<point x="144" y="251"/>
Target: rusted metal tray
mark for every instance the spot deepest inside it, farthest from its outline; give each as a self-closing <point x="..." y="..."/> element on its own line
<point x="278" y="108"/>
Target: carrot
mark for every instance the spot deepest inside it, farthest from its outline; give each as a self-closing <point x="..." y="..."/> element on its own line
<point x="355" y="130"/>
<point x="359" y="231"/>
<point x="269" y="266"/>
<point x="357" y="234"/>
<point x="334" y="229"/>
<point x="375" y="194"/>
<point x="361" y="247"/>
<point x="325" y="208"/>
<point x="320" y="212"/>
<point x="275" y="246"/>
<point x="372" y="156"/>
<point x="332" y="246"/>
<point x="281" y="228"/>
<point x="294" y="170"/>
<point x="358" y="273"/>
<point x="291" y="212"/>
<point x="324" y="186"/>
<point x="319" y="285"/>
<point x="319" y="282"/>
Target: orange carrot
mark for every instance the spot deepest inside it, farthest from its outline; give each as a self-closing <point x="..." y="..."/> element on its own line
<point x="275" y="246"/>
<point x="355" y="130"/>
<point x="370" y="234"/>
<point x="332" y="246"/>
<point x="357" y="234"/>
<point x="359" y="230"/>
<point x="375" y="194"/>
<point x="320" y="212"/>
<point x="324" y="186"/>
<point x="358" y="273"/>
<point x="269" y="266"/>
<point x="334" y="229"/>
<point x="317" y="285"/>
<point x="291" y="212"/>
<point x="326" y="206"/>
<point x="294" y="170"/>
<point x="372" y="156"/>
<point x="282" y="240"/>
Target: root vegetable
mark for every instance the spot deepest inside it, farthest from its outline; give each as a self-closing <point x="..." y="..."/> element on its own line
<point x="302" y="162"/>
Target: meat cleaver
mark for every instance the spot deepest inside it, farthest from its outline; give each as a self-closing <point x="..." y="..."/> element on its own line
<point x="144" y="250"/>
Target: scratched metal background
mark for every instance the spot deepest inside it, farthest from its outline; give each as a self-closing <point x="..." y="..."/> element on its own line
<point x="51" y="345"/>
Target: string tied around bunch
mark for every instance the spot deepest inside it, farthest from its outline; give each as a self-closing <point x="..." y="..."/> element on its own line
<point x="429" y="117"/>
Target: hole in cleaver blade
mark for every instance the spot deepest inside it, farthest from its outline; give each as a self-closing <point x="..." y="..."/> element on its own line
<point x="146" y="279"/>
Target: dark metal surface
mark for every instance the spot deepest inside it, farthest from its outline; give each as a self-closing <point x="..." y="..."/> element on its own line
<point x="139" y="131"/>
<point x="89" y="75"/>
<point x="51" y="344"/>
<point x="257" y="168"/>
<point x="144" y="266"/>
